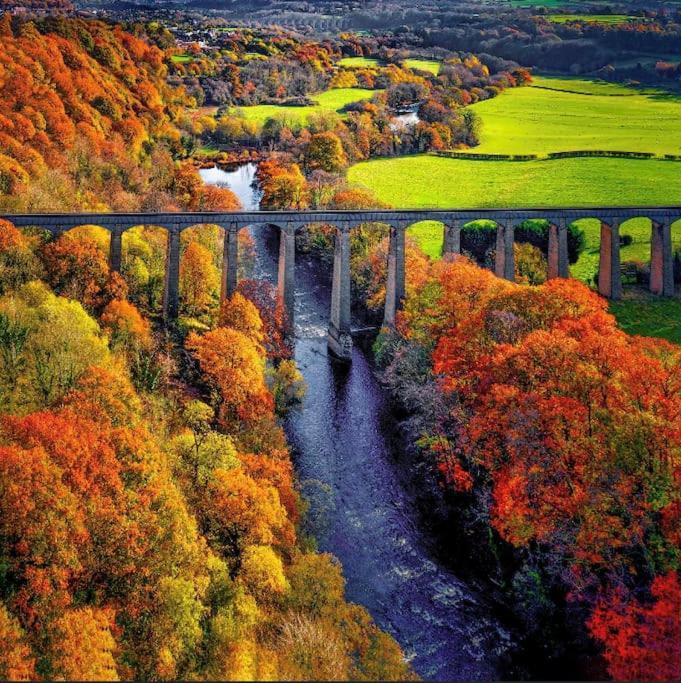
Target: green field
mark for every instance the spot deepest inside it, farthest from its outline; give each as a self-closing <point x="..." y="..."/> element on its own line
<point x="423" y="65"/>
<point x="181" y="59"/>
<point x="555" y="115"/>
<point x="592" y="18"/>
<point x="358" y="62"/>
<point x="367" y="62"/>
<point x="427" y="181"/>
<point x="576" y="85"/>
<point x="643" y="314"/>
<point x="329" y="101"/>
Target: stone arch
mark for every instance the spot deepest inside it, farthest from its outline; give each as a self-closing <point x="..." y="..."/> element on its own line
<point x="549" y="234"/>
<point x="143" y="261"/>
<point x="477" y="238"/>
<point x="200" y="294"/>
<point x="635" y="235"/>
<point x="587" y="266"/>
<point x="436" y="237"/>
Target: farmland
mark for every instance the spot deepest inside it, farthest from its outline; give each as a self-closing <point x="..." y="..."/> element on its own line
<point x="330" y="101"/>
<point x="358" y="62"/>
<point x="553" y="115"/>
<point x="431" y="66"/>
<point x="613" y="19"/>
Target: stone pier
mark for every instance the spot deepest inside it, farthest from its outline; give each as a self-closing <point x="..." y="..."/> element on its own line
<point x="394" y="286"/>
<point x="558" y="263"/>
<point x="230" y="262"/>
<point x="661" y="260"/>
<point x="287" y="270"/>
<point x="504" y="263"/>
<point x="115" y="250"/>
<point x="609" y="275"/>
<point x="171" y="294"/>
<point x="452" y="239"/>
<point x="340" y="337"/>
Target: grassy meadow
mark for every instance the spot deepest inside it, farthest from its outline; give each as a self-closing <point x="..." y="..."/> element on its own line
<point x="556" y="115"/>
<point x="181" y="59"/>
<point x="423" y="65"/>
<point x="612" y="19"/>
<point x="358" y="62"/>
<point x="429" y="65"/>
<point x="329" y="101"/>
<point x="650" y="316"/>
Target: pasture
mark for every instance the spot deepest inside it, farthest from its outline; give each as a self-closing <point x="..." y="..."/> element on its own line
<point x="612" y="19"/>
<point x="555" y="115"/>
<point x="328" y="101"/>
<point x="650" y="316"/>
<point x="429" y="65"/>
<point x="358" y="62"/>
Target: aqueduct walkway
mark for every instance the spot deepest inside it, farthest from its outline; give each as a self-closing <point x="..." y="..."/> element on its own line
<point x="289" y="222"/>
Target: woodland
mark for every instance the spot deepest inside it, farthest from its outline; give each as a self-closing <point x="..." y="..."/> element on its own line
<point x="151" y="521"/>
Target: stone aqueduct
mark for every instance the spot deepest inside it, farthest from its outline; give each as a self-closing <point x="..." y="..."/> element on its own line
<point x="289" y="222"/>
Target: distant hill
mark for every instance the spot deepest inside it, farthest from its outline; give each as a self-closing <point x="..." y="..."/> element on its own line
<point x="37" y="5"/>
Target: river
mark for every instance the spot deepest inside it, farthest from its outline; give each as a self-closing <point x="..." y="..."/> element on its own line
<point x="341" y="441"/>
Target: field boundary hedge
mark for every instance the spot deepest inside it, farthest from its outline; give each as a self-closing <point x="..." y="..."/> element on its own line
<point x="601" y="153"/>
<point x="588" y="94"/>
<point x="486" y="157"/>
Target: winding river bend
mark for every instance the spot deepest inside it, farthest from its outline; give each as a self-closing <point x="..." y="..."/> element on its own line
<point x="362" y="513"/>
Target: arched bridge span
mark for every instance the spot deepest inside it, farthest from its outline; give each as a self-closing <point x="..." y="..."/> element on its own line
<point x="289" y="222"/>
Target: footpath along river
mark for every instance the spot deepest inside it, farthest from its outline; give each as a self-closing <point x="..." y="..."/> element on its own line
<point x="341" y="441"/>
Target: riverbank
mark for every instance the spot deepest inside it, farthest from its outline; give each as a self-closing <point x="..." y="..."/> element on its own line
<point x="348" y="468"/>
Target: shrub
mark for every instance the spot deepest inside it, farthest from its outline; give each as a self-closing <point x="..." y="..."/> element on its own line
<point x="479" y="237"/>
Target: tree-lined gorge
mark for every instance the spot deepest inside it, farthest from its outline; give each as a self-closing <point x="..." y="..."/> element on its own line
<point x="153" y="523"/>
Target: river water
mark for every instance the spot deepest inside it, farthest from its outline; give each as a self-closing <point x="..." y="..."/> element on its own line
<point x="341" y="441"/>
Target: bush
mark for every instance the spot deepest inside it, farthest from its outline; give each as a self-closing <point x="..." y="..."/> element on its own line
<point x="473" y="156"/>
<point x="530" y="264"/>
<point x="635" y="272"/>
<point x="600" y="153"/>
<point x="479" y="237"/>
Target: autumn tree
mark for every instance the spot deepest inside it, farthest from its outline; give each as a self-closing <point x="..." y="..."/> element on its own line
<point x="240" y="314"/>
<point x="199" y="279"/>
<point x="283" y="185"/>
<point x="16" y="659"/>
<point x="47" y="343"/>
<point x="642" y="641"/>
<point x="325" y="152"/>
<point x="84" y="647"/>
<point x="18" y="264"/>
<point x="275" y="322"/>
<point x="77" y="268"/>
<point x="234" y="365"/>
<point x="126" y="327"/>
